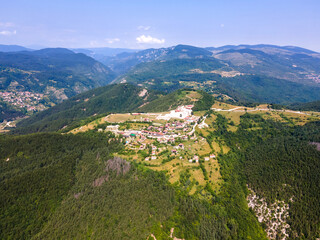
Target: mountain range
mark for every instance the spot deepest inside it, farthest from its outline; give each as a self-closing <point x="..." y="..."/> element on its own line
<point x="58" y="73"/>
<point x="238" y="73"/>
<point x="289" y="63"/>
<point x="244" y="73"/>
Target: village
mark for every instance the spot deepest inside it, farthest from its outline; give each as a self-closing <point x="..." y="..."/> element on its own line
<point x="154" y="139"/>
<point x="171" y="141"/>
<point x="24" y="99"/>
<point x="168" y="141"/>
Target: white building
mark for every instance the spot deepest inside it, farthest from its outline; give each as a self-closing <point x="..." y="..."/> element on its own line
<point x="181" y="113"/>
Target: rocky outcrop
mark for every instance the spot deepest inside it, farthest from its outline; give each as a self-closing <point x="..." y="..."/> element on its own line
<point x="274" y="215"/>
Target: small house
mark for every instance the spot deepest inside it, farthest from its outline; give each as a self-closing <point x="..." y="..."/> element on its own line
<point x="174" y="151"/>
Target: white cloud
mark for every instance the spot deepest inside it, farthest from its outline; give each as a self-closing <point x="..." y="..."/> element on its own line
<point x="94" y="44"/>
<point x="144" y="28"/>
<point x="150" y="40"/>
<point x="112" y="40"/>
<point x="222" y="25"/>
<point x="8" y="33"/>
<point x="6" y="24"/>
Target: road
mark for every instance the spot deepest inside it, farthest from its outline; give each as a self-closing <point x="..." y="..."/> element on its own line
<point x="238" y="109"/>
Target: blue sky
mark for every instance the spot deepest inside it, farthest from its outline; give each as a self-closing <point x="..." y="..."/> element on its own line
<point x="162" y="23"/>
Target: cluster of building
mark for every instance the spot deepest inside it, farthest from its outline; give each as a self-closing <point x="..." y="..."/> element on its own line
<point x="176" y="151"/>
<point x="182" y="127"/>
<point x="196" y="158"/>
<point x="24" y="99"/>
<point x="314" y="77"/>
<point x="182" y="112"/>
<point x="162" y="133"/>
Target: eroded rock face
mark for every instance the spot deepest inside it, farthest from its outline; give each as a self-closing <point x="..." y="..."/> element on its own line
<point x="99" y="181"/>
<point x="119" y="165"/>
<point x="116" y="164"/>
<point x="273" y="215"/>
<point x="317" y="144"/>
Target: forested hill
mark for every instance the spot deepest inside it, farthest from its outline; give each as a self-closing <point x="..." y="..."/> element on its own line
<point x="69" y="186"/>
<point x="112" y="98"/>
<point x="310" y="106"/>
<point x="8" y="113"/>
<point x="171" y="75"/>
<point x="116" y="98"/>
<point x="56" y="72"/>
<point x="46" y="178"/>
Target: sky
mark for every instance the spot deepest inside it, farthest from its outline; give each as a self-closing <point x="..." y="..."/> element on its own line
<point x="140" y="24"/>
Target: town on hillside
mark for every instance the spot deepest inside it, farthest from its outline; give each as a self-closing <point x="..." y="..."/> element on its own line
<point x="24" y="99"/>
<point x="169" y="130"/>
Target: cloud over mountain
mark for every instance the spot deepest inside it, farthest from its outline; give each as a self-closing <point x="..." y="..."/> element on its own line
<point x="150" y="40"/>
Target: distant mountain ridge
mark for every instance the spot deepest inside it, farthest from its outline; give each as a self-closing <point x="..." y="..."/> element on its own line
<point x="262" y="47"/>
<point x="285" y="62"/>
<point x="103" y="51"/>
<point x="243" y="73"/>
<point x="123" y="62"/>
<point x="13" y="48"/>
<point x="285" y="74"/>
<point x="57" y="72"/>
<point x="290" y="63"/>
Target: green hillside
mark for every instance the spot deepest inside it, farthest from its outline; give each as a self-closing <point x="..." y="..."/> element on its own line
<point x="273" y="61"/>
<point x="285" y="167"/>
<point x="243" y="88"/>
<point x="70" y="187"/>
<point x="280" y="165"/>
<point x="9" y="113"/>
<point x="116" y="98"/>
<point x="37" y="172"/>
<point x="201" y="100"/>
<point x="162" y="69"/>
<point x="310" y="106"/>
<point x="108" y="99"/>
<point x="266" y="89"/>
